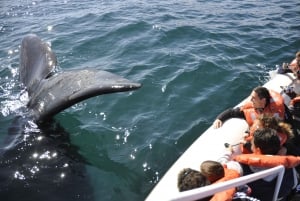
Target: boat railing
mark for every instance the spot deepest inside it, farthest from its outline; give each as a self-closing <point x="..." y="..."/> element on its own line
<point x="209" y="190"/>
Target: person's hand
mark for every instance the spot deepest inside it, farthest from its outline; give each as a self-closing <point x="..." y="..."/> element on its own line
<point x="247" y="137"/>
<point x="217" y="123"/>
<point x="285" y="65"/>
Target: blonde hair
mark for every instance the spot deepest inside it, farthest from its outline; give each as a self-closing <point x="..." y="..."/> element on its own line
<point x="298" y="58"/>
<point x="268" y="121"/>
<point x="212" y="170"/>
<point x="298" y="55"/>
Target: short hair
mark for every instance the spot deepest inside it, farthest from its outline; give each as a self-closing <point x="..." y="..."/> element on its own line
<point x="263" y="92"/>
<point x="189" y="179"/>
<point x="267" y="140"/>
<point x="213" y="170"/>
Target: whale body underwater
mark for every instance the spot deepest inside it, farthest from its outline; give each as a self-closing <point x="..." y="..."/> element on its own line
<point x="38" y="161"/>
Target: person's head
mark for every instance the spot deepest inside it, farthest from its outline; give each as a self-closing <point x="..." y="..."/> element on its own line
<point x="213" y="170"/>
<point x="189" y="179"/>
<point x="265" y="141"/>
<point x="298" y="59"/>
<point x="260" y="97"/>
<point x="296" y="68"/>
<point x="269" y="121"/>
<point x="265" y="121"/>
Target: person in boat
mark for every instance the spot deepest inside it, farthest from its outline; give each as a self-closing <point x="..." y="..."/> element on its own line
<point x="265" y="145"/>
<point x="293" y="92"/>
<point x="292" y="67"/>
<point x="262" y="101"/>
<point x="217" y="172"/>
<point x="284" y="132"/>
<point x="213" y="172"/>
<point x="294" y="109"/>
<point x="189" y="179"/>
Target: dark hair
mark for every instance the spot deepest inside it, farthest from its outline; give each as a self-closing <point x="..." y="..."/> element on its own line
<point x="213" y="170"/>
<point x="267" y="140"/>
<point x="189" y="179"/>
<point x="263" y="92"/>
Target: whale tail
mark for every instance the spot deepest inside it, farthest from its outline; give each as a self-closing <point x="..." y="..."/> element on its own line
<point x="50" y="92"/>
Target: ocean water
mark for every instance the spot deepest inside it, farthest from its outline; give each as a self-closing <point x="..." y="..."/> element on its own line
<point x="194" y="58"/>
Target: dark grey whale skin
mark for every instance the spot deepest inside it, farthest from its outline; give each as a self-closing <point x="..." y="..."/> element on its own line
<point x="51" y="92"/>
<point x="38" y="161"/>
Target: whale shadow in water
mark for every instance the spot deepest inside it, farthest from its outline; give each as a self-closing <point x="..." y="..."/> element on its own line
<point x="42" y="164"/>
<point x="38" y="161"/>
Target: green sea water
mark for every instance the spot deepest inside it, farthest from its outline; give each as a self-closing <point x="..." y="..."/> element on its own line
<point x="193" y="58"/>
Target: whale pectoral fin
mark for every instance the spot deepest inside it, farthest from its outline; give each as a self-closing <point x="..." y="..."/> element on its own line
<point x="63" y="90"/>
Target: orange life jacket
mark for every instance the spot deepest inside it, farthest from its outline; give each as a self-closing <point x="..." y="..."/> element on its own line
<point x="275" y="108"/>
<point x="226" y="195"/>
<point x="261" y="160"/>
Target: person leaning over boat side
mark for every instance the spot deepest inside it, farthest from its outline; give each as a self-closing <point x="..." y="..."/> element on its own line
<point x="292" y="67"/>
<point x="265" y="145"/>
<point x="293" y="92"/>
<point x="216" y="172"/>
<point x="189" y="179"/>
<point x="262" y="101"/>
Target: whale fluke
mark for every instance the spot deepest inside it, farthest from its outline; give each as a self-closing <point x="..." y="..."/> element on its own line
<point x="51" y="92"/>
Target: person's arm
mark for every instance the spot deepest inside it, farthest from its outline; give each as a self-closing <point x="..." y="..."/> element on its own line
<point x="226" y="157"/>
<point x="227" y="114"/>
<point x="284" y="69"/>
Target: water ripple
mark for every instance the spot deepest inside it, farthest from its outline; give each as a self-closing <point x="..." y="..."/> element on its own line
<point x="194" y="59"/>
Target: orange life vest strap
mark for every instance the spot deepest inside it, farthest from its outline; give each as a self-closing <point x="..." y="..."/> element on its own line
<point x="227" y="194"/>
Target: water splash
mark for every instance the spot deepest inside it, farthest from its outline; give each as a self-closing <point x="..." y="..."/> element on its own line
<point x="13" y="102"/>
<point x="12" y="98"/>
